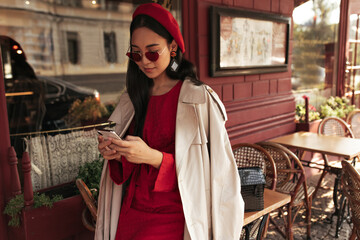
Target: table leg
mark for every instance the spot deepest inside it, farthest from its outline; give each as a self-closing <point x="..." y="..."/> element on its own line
<point x="289" y="231"/>
<point x="319" y="182"/>
<point x="247" y="231"/>
<point x="341" y="213"/>
<point x="261" y="227"/>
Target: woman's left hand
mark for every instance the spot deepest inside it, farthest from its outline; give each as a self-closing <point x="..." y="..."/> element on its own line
<point x="137" y="151"/>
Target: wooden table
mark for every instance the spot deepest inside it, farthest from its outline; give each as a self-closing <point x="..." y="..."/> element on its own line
<point x="348" y="148"/>
<point x="272" y="201"/>
<point x="344" y="147"/>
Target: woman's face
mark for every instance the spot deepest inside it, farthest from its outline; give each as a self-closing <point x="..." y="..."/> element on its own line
<point x="145" y="40"/>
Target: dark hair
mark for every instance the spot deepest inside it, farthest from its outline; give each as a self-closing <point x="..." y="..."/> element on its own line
<point x="138" y="84"/>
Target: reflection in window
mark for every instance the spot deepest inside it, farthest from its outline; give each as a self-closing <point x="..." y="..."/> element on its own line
<point x="69" y="3"/>
<point x="6" y="60"/>
<point x="70" y="50"/>
<point x="73" y="47"/>
<point x="314" y="49"/>
<point x="110" y="47"/>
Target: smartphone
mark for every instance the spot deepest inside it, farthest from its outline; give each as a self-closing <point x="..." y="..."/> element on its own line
<point x="108" y="134"/>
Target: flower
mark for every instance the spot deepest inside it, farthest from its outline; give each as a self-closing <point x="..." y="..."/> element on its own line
<point x="301" y="111"/>
<point x="305" y="97"/>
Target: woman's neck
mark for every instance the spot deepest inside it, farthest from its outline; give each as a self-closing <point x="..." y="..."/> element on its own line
<point x="162" y="85"/>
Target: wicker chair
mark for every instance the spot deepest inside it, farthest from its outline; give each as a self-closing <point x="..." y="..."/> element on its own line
<point x="89" y="214"/>
<point x="353" y="120"/>
<point x="252" y="155"/>
<point x="291" y="180"/>
<point x="351" y="189"/>
<point x="334" y="126"/>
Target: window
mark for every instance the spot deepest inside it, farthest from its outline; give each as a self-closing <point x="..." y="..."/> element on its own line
<point x="69" y="58"/>
<point x="73" y="47"/>
<point x="69" y="3"/>
<point x="315" y="50"/>
<point x="110" y="47"/>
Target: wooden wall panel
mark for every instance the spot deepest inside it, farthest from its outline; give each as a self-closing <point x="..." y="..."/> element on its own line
<point x="259" y="107"/>
<point x="262" y="5"/>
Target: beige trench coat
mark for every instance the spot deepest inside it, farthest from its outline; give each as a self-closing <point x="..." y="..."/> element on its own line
<point x="208" y="180"/>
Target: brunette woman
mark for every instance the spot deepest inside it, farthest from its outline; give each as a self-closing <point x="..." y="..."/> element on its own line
<point x="173" y="174"/>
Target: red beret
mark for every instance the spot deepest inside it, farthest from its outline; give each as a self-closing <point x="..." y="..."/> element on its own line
<point x="165" y="18"/>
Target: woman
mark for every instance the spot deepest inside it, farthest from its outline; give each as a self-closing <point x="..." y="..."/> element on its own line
<point x="173" y="176"/>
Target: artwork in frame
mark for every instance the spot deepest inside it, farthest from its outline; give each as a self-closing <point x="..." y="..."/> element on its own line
<point x="246" y="42"/>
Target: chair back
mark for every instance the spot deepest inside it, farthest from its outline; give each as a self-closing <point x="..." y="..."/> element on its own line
<point x="290" y="171"/>
<point x="353" y="120"/>
<point x="334" y="126"/>
<point x="89" y="220"/>
<point x="252" y="155"/>
<point x="351" y="188"/>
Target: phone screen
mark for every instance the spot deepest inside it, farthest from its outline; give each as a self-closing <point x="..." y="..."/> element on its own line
<point x="108" y="134"/>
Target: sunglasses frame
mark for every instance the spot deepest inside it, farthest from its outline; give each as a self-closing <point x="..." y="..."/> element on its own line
<point x="151" y="56"/>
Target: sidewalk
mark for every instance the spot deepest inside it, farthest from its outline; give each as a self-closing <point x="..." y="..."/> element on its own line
<point x="322" y="208"/>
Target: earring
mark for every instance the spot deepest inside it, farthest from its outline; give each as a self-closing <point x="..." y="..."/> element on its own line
<point x="174" y="65"/>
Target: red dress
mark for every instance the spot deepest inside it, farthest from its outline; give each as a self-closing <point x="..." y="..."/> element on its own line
<point x="152" y="208"/>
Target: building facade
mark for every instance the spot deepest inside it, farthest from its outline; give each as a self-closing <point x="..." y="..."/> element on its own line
<point x="92" y="38"/>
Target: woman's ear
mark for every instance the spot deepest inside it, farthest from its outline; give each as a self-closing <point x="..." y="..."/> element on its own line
<point x="173" y="46"/>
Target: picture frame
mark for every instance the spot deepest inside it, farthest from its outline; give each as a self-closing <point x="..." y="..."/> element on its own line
<point x="246" y="42"/>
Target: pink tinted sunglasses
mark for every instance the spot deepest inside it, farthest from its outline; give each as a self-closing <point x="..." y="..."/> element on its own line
<point x="152" y="56"/>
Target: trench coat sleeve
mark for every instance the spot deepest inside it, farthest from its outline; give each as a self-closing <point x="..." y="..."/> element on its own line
<point x="227" y="203"/>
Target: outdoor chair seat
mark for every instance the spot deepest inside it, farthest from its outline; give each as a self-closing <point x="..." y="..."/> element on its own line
<point x="300" y="194"/>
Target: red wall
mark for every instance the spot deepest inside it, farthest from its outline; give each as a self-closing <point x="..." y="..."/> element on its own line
<point x="259" y="106"/>
<point x="5" y="190"/>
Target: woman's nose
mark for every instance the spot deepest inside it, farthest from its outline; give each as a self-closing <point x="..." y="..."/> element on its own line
<point x="145" y="60"/>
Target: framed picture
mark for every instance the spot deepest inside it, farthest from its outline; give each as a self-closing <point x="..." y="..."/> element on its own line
<point x="244" y="42"/>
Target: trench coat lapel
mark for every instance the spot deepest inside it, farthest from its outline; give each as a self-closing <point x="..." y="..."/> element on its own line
<point x="186" y="120"/>
<point x="123" y="114"/>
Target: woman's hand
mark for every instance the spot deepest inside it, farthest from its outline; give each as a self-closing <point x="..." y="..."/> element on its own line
<point x="136" y="151"/>
<point x="105" y="151"/>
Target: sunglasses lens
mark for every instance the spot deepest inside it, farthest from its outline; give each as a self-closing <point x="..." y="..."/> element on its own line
<point x="152" y="56"/>
<point x="134" y="56"/>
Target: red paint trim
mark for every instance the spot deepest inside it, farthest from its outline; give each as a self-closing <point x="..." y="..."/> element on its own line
<point x="343" y="27"/>
<point x="190" y="34"/>
<point x="5" y="190"/>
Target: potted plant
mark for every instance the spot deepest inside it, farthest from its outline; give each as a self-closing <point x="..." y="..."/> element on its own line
<point x="87" y="112"/>
<point x="51" y="212"/>
<point x="307" y="118"/>
<point x="90" y="173"/>
<point x="336" y="107"/>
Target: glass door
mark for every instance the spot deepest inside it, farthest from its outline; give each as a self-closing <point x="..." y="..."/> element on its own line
<point x="352" y="86"/>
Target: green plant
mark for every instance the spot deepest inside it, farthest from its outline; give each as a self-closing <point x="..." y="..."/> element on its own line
<point x="14" y="207"/>
<point x="90" y="173"/>
<point x="110" y="108"/>
<point x="336" y="107"/>
<point x="300" y="112"/>
<point x="88" y="109"/>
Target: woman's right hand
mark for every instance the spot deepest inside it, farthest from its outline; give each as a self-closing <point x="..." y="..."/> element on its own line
<point x="105" y="151"/>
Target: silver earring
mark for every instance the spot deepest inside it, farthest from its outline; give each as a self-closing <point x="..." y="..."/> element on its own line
<point x="174" y="65"/>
